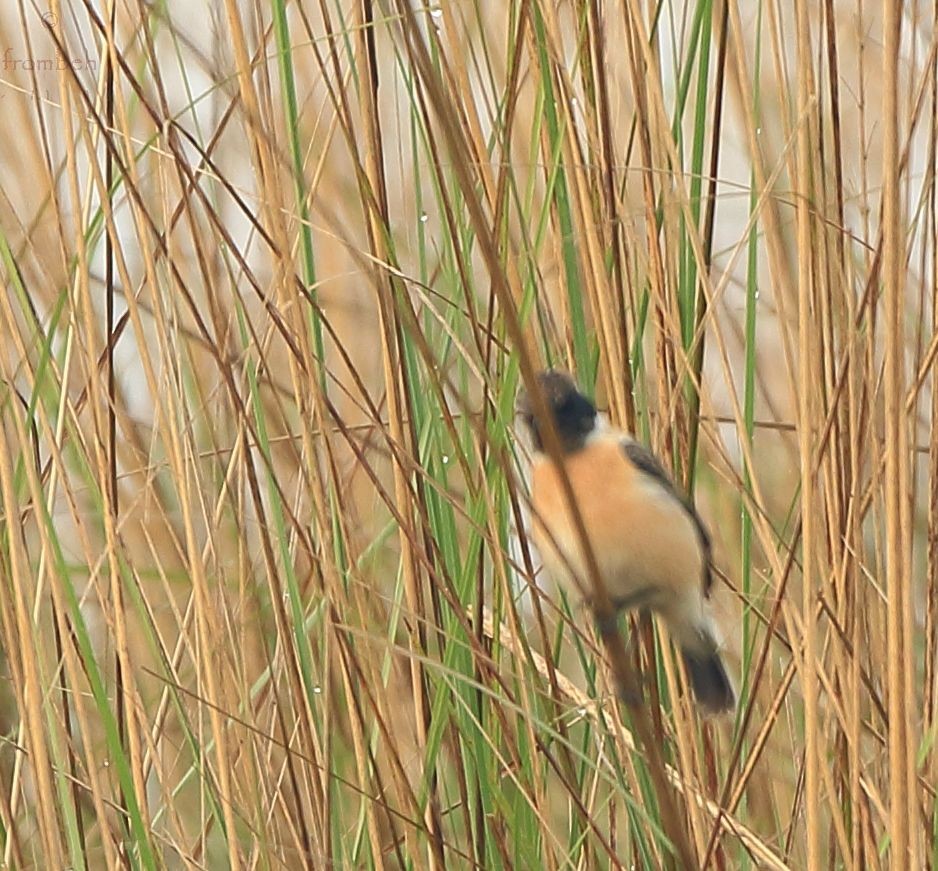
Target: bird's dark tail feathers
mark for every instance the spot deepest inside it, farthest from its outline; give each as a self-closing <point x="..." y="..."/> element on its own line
<point x="711" y="684"/>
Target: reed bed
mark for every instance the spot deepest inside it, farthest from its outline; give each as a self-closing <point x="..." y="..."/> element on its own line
<point x="274" y="273"/>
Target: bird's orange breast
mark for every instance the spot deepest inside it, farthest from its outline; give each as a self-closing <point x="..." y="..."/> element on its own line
<point x="640" y="534"/>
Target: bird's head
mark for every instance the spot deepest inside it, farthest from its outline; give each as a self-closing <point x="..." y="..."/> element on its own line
<point x="573" y="415"/>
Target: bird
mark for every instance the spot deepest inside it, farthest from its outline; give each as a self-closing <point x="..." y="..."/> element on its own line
<point x="650" y="546"/>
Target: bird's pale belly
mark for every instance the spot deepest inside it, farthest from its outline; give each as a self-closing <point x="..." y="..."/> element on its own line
<point x="644" y="543"/>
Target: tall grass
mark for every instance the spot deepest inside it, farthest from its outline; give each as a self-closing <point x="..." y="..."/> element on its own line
<point x="274" y="273"/>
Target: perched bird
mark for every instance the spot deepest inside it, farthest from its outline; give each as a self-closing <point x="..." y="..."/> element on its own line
<point x="649" y="543"/>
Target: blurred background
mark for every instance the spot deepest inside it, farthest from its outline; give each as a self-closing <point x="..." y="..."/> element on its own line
<point x="273" y="272"/>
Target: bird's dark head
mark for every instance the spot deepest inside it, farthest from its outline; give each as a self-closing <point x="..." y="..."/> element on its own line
<point x="574" y="416"/>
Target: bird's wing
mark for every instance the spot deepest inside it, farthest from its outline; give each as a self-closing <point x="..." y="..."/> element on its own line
<point x="646" y="462"/>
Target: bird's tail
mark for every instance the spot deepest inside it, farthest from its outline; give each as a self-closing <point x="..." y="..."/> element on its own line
<point x="708" y="677"/>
